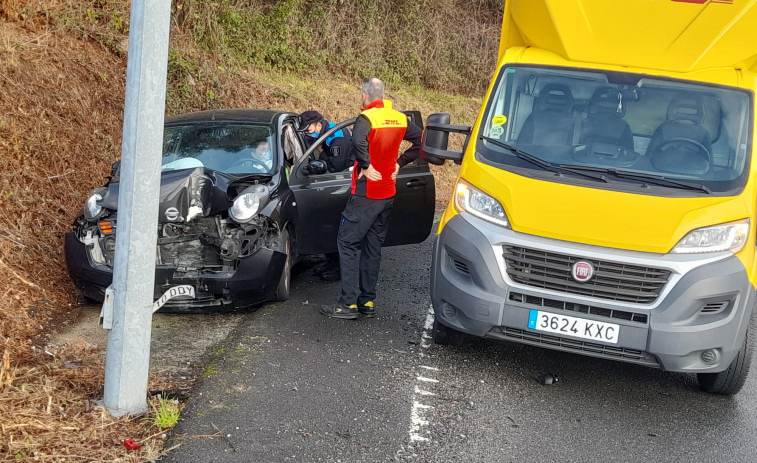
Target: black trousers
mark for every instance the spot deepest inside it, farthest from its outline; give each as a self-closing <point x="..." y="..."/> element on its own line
<point x="362" y="231"/>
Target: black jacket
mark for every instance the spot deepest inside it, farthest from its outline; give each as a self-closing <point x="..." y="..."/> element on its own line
<point x="336" y="149"/>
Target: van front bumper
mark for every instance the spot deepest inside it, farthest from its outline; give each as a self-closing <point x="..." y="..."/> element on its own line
<point x="696" y="325"/>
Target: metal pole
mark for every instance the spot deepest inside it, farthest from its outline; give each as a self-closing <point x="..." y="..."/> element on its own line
<point x="127" y="359"/>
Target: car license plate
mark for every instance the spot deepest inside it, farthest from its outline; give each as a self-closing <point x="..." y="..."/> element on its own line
<point x="185" y="291"/>
<point x="573" y="326"/>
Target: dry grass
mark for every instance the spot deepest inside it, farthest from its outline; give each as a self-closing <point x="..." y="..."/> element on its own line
<point x="62" y="72"/>
<point x="48" y="412"/>
<point x="59" y="133"/>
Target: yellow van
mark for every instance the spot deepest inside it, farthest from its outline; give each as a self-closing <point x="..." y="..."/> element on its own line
<point x="606" y="197"/>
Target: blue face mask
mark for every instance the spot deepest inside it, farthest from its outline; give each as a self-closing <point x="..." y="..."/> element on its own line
<point x="312" y="134"/>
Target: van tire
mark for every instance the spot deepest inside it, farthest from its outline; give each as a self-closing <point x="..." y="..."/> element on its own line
<point x="731" y="380"/>
<point x="282" y="290"/>
<point x="443" y="335"/>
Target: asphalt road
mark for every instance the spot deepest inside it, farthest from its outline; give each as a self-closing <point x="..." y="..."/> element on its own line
<point x="291" y="385"/>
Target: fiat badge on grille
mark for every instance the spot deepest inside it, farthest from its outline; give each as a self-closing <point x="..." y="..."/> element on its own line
<point x="582" y="271"/>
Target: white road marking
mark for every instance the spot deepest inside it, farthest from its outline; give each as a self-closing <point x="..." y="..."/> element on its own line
<point x="419" y="419"/>
<point x="429" y="319"/>
<point x="426" y="380"/>
<point x="422" y="392"/>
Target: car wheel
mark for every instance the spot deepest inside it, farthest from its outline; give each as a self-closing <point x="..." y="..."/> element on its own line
<point x="282" y="291"/>
<point x="446" y="336"/>
<point x="731" y="380"/>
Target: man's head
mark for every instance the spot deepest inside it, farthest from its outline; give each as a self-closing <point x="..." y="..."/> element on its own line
<point x="372" y="90"/>
<point x="310" y="123"/>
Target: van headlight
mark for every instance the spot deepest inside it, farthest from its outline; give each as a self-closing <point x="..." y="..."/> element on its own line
<point x="730" y="236"/>
<point x="248" y="204"/>
<point x="479" y="204"/>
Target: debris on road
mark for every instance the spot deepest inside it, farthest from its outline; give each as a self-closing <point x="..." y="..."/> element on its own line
<point x="547" y="379"/>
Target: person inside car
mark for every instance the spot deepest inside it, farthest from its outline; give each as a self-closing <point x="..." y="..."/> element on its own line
<point x="336" y="151"/>
<point x="261" y="152"/>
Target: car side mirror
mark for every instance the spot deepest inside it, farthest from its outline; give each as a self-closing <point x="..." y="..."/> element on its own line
<point x="315" y="167"/>
<point x="114" y="168"/>
<point x="436" y="139"/>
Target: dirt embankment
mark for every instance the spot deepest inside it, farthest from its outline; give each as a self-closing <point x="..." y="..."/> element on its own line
<point x="60" y="119"/>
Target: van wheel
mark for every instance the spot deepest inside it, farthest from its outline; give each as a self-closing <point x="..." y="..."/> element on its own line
<point x="731" y="380"/>
<point x="282" y="291"/>
<point x="446" y="336"/>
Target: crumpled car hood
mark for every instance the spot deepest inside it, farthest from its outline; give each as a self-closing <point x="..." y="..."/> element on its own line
<point x="189" y="193"/>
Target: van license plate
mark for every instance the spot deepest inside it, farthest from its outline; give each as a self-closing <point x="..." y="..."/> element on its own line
<point x="572" y="326"/>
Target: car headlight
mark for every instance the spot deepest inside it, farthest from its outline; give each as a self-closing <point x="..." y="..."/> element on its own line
<point x="480" y="204"/>
<point x="248" y="204"/>
<point x="725" y="237"/>
<point x="92" y="208"/>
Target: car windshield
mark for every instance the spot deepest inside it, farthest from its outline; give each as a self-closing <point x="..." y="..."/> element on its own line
<point x="227" y="148"/>
<point x="619" y="128"/>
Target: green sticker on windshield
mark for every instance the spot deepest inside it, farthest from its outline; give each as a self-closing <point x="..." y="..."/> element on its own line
<point x="499" y="119"/>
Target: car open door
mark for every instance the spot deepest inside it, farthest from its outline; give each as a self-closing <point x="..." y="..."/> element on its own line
<point x="321" y="199"/>
<point x="415" y="201"/>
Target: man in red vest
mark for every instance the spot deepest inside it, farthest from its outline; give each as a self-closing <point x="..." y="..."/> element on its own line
<point x="376" y="139"/>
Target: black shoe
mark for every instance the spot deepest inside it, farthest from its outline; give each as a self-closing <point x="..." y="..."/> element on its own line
<point x="331" y="275"/>
<point x="331" y="263"/>
<point x="348" y="312"/>
<point x="323" y="267"/>
<point x="367" y="310"/>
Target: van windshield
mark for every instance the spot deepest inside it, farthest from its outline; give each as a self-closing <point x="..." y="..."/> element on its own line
<point x="619" y="128"/>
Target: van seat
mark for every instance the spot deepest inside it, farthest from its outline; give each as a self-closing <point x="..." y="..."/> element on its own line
<point x="604" y="122"/>
<point x="551" y="122"/>
<point x="680" y="144"/>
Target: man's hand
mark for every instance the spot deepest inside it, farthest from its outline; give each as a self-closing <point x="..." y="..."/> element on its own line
<point x="371" y="173"/>
<point x="396" y="170"/>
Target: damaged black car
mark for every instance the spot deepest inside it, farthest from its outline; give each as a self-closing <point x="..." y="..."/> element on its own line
<point x="243" y="197"/>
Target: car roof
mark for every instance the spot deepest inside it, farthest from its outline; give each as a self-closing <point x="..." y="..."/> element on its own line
<point x="265" y="116"/>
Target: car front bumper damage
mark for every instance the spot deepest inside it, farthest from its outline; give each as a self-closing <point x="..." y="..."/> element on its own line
<point x="230" y="267"/>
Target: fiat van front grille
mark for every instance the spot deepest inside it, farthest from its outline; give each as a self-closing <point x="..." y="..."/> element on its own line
<point x="611" y="280"/>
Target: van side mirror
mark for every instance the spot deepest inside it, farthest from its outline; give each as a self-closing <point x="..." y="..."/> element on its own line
<point x="436" y="139"/>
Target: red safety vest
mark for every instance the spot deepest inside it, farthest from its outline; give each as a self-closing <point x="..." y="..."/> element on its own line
<point x="388" y="128"/>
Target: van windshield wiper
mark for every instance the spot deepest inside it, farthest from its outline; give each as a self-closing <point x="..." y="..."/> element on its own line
<point x="649" y="178"/>
<point x="546" y="165"/>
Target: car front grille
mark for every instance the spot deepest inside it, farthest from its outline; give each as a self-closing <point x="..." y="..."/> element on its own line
<point x="611" y="281"/>
<point x="573" y="345"/>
